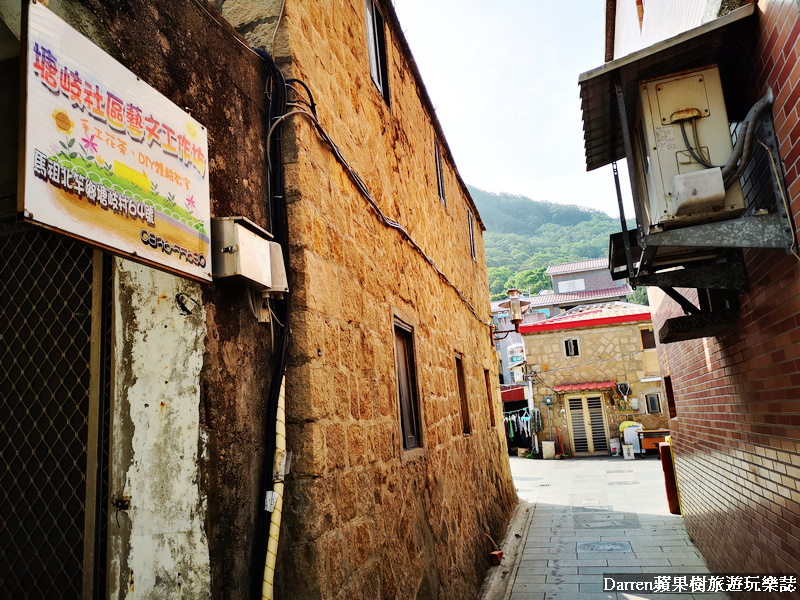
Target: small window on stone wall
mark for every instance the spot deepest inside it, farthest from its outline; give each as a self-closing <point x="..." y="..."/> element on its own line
<point x="648" y="339"/>
<point x="439" y="174"/>
<point x="462" y="393"/>
<point x="488" y="379"/>
<point x="653" y="403"/>
<point x="471" y="234"/>
<point x="376" y="43"/>
<point x="407" y="384"/>
<point x="571" y="347"/>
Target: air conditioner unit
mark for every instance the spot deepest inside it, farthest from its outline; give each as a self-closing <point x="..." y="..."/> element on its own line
<point x="682" y="138"/>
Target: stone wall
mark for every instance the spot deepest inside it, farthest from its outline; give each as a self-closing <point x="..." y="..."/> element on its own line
<point x="606" y="353"/>
<point x="364" y="518"/>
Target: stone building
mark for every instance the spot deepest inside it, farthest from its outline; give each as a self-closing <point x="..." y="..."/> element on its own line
<point x="730" y="372"/>
<point x="579" y="357"/>
<point x="159" y="438"/>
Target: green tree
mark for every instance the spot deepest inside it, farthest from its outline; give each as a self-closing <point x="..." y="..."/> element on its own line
<point x="639" y="296"/>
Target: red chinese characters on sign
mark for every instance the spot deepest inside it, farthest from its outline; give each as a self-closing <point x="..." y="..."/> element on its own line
<point x="134" y="122"/>
<point x="45" y="66"/>
<point x="72" y="86"/>
<point x="116" y="113"/>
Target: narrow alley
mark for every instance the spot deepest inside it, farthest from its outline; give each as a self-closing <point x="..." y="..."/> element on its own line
<point x="592" y="516"/>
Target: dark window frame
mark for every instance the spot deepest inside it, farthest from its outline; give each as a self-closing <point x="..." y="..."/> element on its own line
<point x="376" y="47"/>
<point x="487" y="377"/>
<point x="670" y="394"/>
<point x="439" y="171"/>
<point x="650" y="342"/>
<point x="658" y="402"/>
<point x="407" y="392"/>
<point x="571" y="347"/>
<point x="463" y="395"/>
<point x="472" y="234"/>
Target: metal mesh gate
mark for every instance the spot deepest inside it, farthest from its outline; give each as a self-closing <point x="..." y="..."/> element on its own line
<point x="46" y="285"/>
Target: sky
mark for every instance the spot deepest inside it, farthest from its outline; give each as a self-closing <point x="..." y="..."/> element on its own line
<point x="503" y="77"/>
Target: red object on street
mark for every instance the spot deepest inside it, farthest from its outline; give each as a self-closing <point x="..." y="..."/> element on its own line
<point x="665" y="454"/>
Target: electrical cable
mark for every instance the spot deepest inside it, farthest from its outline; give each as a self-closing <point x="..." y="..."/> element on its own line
<point x="702" y="161"/>
<point x="365" y="193"/>
<point x="226" y="28"/>
<point x="279" y="227"/>
<point x="275" y="32"/>
<point x="313" y="104"/>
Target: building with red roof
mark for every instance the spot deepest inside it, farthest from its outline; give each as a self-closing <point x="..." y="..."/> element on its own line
<point x="597" y="364"/>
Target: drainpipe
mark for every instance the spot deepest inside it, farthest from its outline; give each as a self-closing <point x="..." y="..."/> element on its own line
<point x="275" y="521"/>
<point x="534" y="435"/>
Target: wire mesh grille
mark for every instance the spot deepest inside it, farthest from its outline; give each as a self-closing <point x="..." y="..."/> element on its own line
<point x="45" y="328"/>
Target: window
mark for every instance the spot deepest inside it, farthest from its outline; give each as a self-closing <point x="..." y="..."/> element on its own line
<point x="462" y="392"/>
<point x="406" y="384"/>
<point x="376" y="43"/>
<point x="572" y="285"/>
<point x="488" y="380"/>
<point x="571" y="347"/>
<point x="648" y="339"/>
<point x="439" y="176"/>
<point x="471" y="234"/>
<point x="653" y="403"/>
<point x="670" y="397"/>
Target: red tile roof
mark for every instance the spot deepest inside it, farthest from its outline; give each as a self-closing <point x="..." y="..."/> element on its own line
<point x="591" y="315"/>
<point x="593" y="264"/>
<point x="587" y="296"/>
<point x="579" y="387"/>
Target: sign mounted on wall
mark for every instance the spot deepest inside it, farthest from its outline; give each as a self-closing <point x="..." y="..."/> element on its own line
<point x="108" y="159"/>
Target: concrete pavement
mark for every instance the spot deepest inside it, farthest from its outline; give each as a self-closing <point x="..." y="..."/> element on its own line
<point x="592" y="516"/>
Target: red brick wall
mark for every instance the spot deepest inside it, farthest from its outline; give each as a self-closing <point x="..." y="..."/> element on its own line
<point x="737" y="430"/>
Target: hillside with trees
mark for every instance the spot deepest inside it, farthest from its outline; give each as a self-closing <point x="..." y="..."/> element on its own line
<point x="523" y="237"/>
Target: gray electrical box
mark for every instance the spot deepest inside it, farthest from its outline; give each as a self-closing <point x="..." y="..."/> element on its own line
<point x="244" y="250"/>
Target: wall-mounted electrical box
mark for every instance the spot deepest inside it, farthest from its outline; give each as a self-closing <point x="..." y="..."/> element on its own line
<point x="682" y="123"/>
<point x="244" y="250"/>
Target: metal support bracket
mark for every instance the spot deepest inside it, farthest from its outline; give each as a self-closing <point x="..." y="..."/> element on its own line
<point x="759" y="231"/>
<point x="687" y="306"/>
<point x="723" y="276"/>
<point x="691" y="327"/>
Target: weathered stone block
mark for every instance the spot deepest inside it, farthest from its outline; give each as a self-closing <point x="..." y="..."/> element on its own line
<point x="347" y="493"/>
<point x="306" y="571"/>
<point x="362" y="543"/>
<point x="314" y="513"/>
<point x="356" y="444"/>
<point x="309" y="394"/>
<point x="307" y="443"/>
<point x="336" y="445"/>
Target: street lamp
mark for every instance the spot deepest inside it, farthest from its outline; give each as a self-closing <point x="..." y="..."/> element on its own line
<point x="515" y="306"/>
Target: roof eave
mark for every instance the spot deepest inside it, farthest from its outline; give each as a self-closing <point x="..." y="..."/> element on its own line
<point x="724" y="41"/>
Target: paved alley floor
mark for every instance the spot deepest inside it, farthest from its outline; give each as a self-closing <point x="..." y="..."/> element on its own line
<point x="593" y="516"/>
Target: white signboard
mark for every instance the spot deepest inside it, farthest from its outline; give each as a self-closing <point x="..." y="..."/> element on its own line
<point x="108" y="159"/>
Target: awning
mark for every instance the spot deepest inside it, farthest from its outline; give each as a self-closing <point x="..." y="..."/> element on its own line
<point x="512" y="394"/>
<point x="580" y="387"/>
<point x="726" y="42"/>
